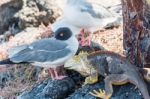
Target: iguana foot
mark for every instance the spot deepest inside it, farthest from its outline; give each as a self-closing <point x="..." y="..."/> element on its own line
<point x="60" y="77"/>
<point x="91" y="80"/>
<point x="100" y="94"/>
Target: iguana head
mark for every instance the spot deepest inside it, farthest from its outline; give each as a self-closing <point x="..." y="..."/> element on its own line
<point x="80" y="64"/>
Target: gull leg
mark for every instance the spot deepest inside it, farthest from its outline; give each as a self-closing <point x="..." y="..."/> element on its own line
<point x="59" y="73"/>
<point x="59" y="77"/>
<point x="54" y="74"/>
<point x="51" y="73"/>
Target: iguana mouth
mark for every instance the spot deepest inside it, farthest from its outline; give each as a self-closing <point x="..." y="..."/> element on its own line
<point x="80" y="64"/>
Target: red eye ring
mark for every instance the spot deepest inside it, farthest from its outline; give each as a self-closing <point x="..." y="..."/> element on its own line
<point x="61" y="34"/>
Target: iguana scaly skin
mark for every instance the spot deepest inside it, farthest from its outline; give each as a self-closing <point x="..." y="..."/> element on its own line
<point x="115" y="68"/>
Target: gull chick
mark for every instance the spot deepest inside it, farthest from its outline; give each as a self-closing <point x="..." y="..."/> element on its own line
<point x="88" y="16"/>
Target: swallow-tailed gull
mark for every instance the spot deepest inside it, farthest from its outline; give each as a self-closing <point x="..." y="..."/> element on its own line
<point x="49" y="52"/>
<point x="86" y="15"/>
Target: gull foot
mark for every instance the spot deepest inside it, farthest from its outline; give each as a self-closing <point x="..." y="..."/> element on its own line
<point x="100" y="94"/>
<point x="59" y="77"/>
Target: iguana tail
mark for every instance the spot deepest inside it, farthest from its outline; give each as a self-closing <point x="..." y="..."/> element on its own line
<point x="137" y="80"/>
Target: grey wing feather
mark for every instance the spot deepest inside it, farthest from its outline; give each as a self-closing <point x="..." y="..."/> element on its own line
<point x="39" y="56"/>
<point x="48" y="44"/>
<point x="95" y="10"/>
<point x="40" y="51"/>
<point x="16" y="49"/>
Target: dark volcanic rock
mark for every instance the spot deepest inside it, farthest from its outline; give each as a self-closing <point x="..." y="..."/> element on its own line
<point x="49" y="89"/>
<point x="7" y="12"/>
<point x="145" y="49"/>
<point x="35" y="12"/>
<point x="27" y="13"/>
<point x="4" y="78"/>
<point x="54" y="89"/>
<point x="120" y="92"/>
<point x="83" y="93"/>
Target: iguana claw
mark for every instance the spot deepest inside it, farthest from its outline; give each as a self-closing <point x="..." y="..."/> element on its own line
<point x="100" y="94"/>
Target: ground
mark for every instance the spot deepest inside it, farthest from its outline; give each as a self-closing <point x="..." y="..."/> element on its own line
<point x="110" y="39"/>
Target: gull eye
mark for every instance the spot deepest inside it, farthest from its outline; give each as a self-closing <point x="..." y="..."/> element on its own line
<point x="61" y="34"/>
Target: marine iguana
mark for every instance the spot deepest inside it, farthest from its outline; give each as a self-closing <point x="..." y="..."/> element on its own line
<point x="116" y="69"/>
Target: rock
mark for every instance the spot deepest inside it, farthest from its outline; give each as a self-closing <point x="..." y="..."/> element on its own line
<point x="2" y="39"/>
<point x="27" y="13"/>
<point x="145" y="49"/>
<point x="50" y="90"/>
<point x="53" y="89"/>
<point x="4" y="78"/>
<point x="7" y="11"/>
<point x="127" y="91"/>
<point x="35" y="12"/>
<point x="145" y="44"/>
